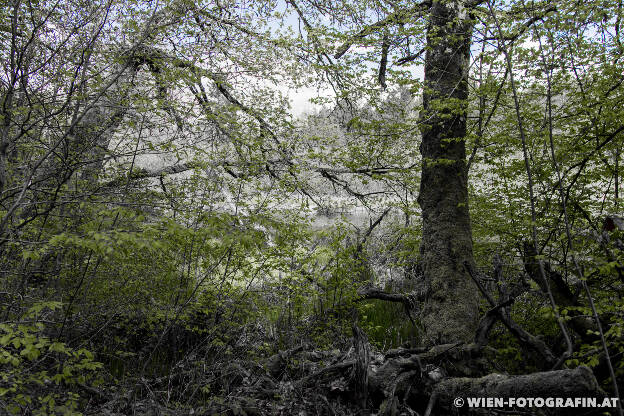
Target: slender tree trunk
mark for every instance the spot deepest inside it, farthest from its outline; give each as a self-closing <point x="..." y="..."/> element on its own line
<point x="451" y="310"/>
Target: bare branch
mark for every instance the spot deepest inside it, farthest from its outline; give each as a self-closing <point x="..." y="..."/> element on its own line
<point x="153" y="173"/>
<point x="385" y="46"/>
<point x="526" y="339"/>
<point x="410" y="58"/>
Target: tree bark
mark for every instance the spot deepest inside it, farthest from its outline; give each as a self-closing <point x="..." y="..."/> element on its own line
<point x="451" y="310"/>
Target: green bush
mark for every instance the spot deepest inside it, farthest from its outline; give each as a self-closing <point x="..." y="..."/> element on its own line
<point x="40" y="376"/>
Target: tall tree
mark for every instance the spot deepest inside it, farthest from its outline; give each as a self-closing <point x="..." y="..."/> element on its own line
<point x="444" y="29"/>
<point x="451" y="311"/>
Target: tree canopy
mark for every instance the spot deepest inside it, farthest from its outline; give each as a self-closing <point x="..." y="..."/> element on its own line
<point x="176" y="238"/>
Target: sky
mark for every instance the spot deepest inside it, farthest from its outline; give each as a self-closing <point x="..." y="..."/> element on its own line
<point x="300" y="98"/>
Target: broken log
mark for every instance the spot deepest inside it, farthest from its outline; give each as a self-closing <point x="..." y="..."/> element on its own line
<point x="576" y="383"/>
<point x="362" y="362"/>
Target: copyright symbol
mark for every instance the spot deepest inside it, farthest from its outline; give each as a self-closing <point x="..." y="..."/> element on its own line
<point x="458" y="402"/>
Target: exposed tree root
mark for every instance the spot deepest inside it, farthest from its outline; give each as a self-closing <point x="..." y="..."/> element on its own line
<point x="428" y="382"/>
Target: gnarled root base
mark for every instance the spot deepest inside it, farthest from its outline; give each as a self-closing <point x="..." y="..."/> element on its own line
<point x="427" y="383"/>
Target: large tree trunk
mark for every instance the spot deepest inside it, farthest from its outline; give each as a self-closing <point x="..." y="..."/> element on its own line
<point x="451" y="309"/>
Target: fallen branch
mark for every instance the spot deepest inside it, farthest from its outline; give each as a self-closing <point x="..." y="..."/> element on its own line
<point x="576" y="383"/>
<point x="401" y="352"/>
<point x="324" y="371"/>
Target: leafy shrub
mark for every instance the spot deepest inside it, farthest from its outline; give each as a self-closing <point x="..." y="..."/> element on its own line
<point x="40" y="375"/>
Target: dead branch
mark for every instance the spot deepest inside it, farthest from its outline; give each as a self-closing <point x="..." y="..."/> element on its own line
<point x="526" y="339"/>
<point x="488" y="321"/>
<point x="402" y="352"/>
<point x="323" y="372"/>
